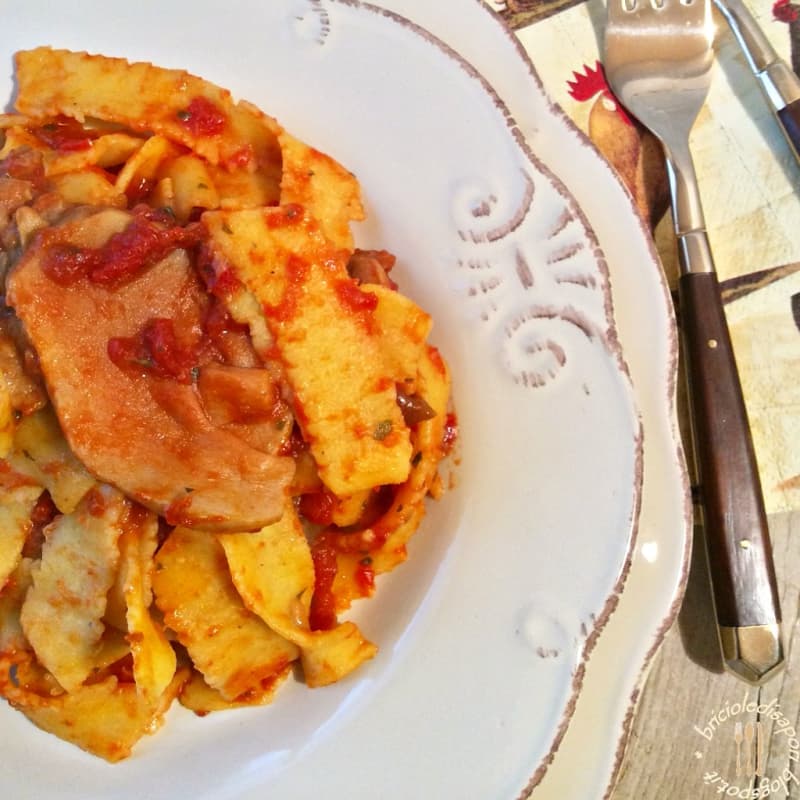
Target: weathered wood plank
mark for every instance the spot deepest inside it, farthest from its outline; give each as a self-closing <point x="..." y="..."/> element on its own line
<point x="684" y="737"/>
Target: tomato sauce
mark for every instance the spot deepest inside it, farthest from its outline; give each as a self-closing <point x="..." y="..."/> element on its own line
<point x="297" y="274"/>
<point x="322" y="616"/>
<point x="44" y="512"/>
<point x="202" y="117"/>
<point x="96" y="503"/>
<point x="137" y="191"/>
<point x="24" y="164"/>
<point x="150" y="236"/>
<point x="354" y="299"/>
<point x="450" y="434"/>
<point x="318" y="507"/>
<point x="437" y="360"/>
<point x="65" y="135"/>
<point x="218" y="275"/>
<point x="240" y="158"/>
<point x="288" y="215"/>
<point x="365" y="577"/>
<point x="157" y="351"/>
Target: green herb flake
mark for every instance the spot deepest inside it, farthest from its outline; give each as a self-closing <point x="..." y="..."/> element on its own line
<point x="226" y="228"/>
<point x="183" y="115"/>
<point x="382" y="430"/>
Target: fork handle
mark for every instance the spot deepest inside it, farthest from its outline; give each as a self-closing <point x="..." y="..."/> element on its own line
<point x="737" y="537"/>
<point x="789" y="117"/>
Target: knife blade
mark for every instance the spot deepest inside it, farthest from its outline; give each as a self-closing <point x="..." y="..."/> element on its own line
<point x="779" y="83"/>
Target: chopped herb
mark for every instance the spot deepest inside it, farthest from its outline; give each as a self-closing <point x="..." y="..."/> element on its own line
<point x="183" y="115"/>
<point x="382" y="430"/>
<point x="417" y="458"/>
<point x="12" y="674"/>
<point x="147" y="363"/>
<point x="188" y="489"/>
<point x="226" y="228"/>
<point x="195" y="373"/>
<point x="280" y="424"/>
<point x="366" y="561"/>
<point x="202" y="186"/>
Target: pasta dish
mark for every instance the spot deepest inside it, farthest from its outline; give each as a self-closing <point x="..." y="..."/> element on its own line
<point x="219" y="419"/>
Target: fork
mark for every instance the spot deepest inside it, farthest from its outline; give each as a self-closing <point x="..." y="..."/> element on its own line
<point x="658" y="62"/>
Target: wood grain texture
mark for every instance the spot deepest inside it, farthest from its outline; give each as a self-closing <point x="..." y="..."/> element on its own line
<point x="736" y="524"/>
<point x="519" y="13"/>
<point x="666" y="755"/>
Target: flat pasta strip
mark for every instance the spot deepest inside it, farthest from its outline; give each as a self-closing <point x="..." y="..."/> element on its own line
<point x="199" y="697"/>
<point x="323" y="186"/>
<point x="233" y="648"/>
<point x="382" y="546"/>
<point x="274" y="573"/>
<point x="12" y="595"/>
<point x="154" y="660"/>
<point x="106" y="718"/>
<point x="323" y="329"/>
<point x="180" y="106"/>
<point x="403" y="329"/>
<point x="16" y="504"/>
<point x="63" y="610"/>
<point x="42" y="452"/>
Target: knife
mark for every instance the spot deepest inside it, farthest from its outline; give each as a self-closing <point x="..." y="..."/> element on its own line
<point x="737" y="535"/>
<point x="780" y="84"/>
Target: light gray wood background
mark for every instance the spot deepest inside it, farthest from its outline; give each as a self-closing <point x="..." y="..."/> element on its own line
<point x="666" y="756"/>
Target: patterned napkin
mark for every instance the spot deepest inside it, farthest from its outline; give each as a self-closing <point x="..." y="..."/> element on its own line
<point x="750" y="184"/>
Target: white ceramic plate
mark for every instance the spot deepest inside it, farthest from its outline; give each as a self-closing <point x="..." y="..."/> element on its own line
<point x="484" y="633"/>
<point x="589" y="755"/>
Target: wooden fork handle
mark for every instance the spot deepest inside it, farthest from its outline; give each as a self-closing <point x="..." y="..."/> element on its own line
<point x="789" y="117"/>
<point x="737" y="538"/>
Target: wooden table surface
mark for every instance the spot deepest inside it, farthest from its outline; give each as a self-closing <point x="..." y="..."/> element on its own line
<point x="667" y="756"/>
<point x="696" y="729"/>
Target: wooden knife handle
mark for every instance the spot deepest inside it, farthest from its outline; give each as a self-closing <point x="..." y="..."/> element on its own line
<point x="789" y="117"/>
<point x="737" y="538"/>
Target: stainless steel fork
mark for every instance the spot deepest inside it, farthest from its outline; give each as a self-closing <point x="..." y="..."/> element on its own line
<point x="658" y="60"/>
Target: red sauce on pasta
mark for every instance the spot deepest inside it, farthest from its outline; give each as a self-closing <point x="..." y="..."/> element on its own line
<point x="156" y="350"/>
<point x="322" y="616"/>
<point x="365" y="576"/>
<point x="318" y="507"/>
<point x="150" y="236"/>
<point x="297" y="273"/>
<point x="354" y="299"/>
<point x="65" y="135"/>
<point x="202" y="117"/>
